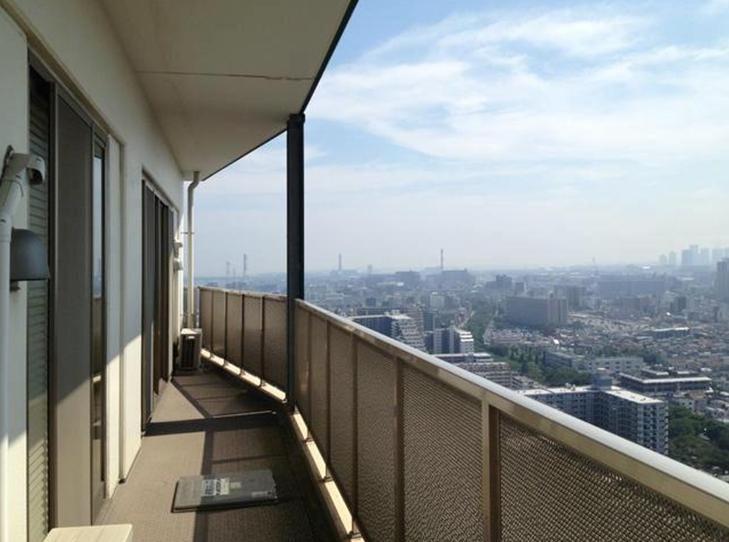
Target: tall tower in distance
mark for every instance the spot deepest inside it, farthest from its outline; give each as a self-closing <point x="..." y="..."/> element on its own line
<point x="339" y="267"/>
<point x="245" y="265"/>
<point x="441" y="260"/>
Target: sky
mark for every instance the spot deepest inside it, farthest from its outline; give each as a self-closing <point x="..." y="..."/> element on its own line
<point x="508" y="133"/>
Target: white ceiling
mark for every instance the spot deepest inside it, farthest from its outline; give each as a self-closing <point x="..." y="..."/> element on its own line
<point x="222" y="76"/>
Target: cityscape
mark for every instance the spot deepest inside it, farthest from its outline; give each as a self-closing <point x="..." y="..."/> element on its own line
<point x="638" y="350"/>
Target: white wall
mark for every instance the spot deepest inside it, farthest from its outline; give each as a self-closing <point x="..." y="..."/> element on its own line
<point x="14" y="131"/>
<point x="76" y="41"/>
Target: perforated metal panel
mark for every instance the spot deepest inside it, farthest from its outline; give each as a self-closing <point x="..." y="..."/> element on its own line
<point x="376" y="443"/>
<point x="342" y="414"/>
<point x="319" y="389"/>
<point x="234" y="329"/>
<point x="302" y="362"/>
<point x="443" y="458"/>
<point x="252" y="335"/>
<point x="206" y="317"/>
<point x="275" y="341"/>
<point x="218" y="341"/>
<point x="551" y="493"/>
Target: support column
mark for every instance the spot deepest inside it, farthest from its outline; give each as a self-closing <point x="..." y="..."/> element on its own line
<point x="294" y="237"/>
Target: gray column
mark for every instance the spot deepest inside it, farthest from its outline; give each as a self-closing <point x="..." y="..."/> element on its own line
<point x="294" y="236"/>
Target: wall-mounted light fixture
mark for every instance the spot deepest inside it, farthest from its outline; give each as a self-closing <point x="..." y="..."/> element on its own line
<point x="28" y="257"/>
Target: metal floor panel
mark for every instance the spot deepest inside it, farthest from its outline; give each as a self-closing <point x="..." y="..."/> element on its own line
<point x="207" y="423"/>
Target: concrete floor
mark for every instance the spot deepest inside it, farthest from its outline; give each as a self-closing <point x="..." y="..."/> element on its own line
<point x="210" y="423"/>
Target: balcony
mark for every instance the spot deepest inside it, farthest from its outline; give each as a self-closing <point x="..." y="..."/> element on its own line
<point x="420" y="450"/>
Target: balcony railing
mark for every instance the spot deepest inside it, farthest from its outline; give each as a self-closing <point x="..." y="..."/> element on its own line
<point x="421" y="450"/>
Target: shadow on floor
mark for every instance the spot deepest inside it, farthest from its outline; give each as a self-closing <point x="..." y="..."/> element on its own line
<point x="207" y="423"/>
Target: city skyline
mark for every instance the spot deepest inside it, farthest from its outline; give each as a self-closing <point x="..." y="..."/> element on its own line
<point x="235" y="268"/>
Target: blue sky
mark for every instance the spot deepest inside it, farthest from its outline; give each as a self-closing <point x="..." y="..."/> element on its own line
<point x="508" y="133"/>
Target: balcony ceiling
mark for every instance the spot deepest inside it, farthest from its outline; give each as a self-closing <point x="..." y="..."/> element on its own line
<point x="222" y="76"/>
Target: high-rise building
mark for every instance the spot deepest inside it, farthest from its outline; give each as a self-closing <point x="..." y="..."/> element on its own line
<point x="672" y="259"/>
<point x="705" y="256"/>
<point x="663" y="260"/>
<point x="633" y="416"/>
<point x="574" y="295"/>
<point x="686" y="258"/>
<point x="452" y="341"/>
<point x="536" y="311"/>
<point x="722" y="280"/>
<point x="396" y="326"/>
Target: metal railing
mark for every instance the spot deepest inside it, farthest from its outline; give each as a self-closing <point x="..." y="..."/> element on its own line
<point x="248" y="330"/>
<point x="422" y="450"/>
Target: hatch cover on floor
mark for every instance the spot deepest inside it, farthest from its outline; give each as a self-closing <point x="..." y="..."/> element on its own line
<point x="224" y="490"/>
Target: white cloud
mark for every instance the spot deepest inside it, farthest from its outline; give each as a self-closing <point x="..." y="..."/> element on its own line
<point x="559" y="85"/>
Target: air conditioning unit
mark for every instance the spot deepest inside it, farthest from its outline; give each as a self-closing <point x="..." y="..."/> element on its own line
<point x="191" y="343"/>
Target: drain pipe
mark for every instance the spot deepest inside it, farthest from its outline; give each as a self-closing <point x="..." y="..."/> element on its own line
<point x="190" y="252"/>
<point x="13" y="187"/>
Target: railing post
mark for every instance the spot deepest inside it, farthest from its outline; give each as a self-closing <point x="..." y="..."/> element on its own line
<point x="490" y="482"/>
<point x="294" y="240"/>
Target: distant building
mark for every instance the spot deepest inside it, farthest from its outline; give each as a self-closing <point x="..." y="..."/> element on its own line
<point x="612" y="364"/>
<point x="437" y="301"/>
<point x="396" y="326"/>
<point x="626" y="286"/>
<point x="501" y="283"/>
<point x="573" y="294"/>
<point x="672" y="259"/>
<point x="664" y="383"/>
<point x="557" y="359"/>
<point x="705" y="256"/>
<point x="536" y="311"/>
<point x="496" y="371"/>
<point x="452" y="341"/>
<point x="456" y="278"/>
<point x="722" y="280"/>
<point x="636" y="417"/>
<point x="686" y="258"/>
<point x="410" y="279"/>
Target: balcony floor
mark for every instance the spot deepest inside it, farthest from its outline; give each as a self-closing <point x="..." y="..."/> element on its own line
<point x="209" y="423"/>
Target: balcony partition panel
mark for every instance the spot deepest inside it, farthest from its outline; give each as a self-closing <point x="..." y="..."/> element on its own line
<point x="421" y="450"/>
<point x="234" y="328"/>
<point x="342" y="416"/>
<point x="219" y="316"/>
<point x="274" y="340"/>
<point x="253" y="335"/>
<point x="301" y="367"/>
<point x="206" y="316"/>
<point x="378" y="461"/>
<point x="319" y="384"/>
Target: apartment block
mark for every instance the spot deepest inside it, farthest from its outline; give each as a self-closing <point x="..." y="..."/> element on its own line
<point x="641" y="419"/>
<point x="536" y="311"/>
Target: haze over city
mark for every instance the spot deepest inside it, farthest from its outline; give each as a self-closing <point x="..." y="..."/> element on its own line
<point x="512" y="136"/>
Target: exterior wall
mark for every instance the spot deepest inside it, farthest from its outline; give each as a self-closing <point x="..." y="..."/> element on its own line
<point x="14" y="131"/>
<point x="61" y="34"/>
